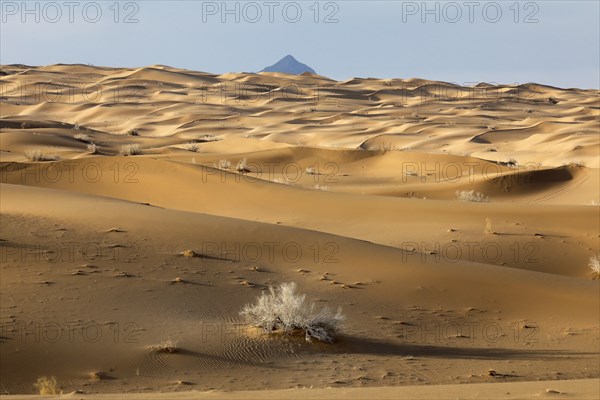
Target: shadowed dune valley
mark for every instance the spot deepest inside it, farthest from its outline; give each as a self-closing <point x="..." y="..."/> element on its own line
<point x="167" y="233"/>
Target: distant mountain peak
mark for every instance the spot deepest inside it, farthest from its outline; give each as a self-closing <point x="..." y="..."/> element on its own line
<point x="289" y="65"/>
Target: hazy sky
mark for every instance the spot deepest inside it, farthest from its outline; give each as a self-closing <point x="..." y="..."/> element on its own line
<point x="552" y="42"/>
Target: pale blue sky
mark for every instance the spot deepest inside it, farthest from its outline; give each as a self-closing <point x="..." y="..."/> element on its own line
<point x="382" y="39"/>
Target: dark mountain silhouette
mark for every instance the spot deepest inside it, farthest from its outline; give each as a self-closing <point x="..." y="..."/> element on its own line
<point x="289" y="65"/>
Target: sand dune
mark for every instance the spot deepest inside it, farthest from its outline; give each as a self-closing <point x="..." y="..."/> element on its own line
<point x="142" y="208"/>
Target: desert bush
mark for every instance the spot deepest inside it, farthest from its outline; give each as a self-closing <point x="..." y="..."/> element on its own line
<point x="39" y="155"/>
<point x="131" y="149"/>
<point x="209" y="138"/>
<point x="81" y="136"/>
<point x="190" y="147"/>
<point x="512" y="163"/>
<point x="224" y="164"/>
<point x="471" y="195"/>
<point x="242" y="166"/>
<point x="167" y="346"/>
<point x="281" y="309"/>
<point x="47" y="385"/>
<point x="133" y="132"/>
<point x="594" y="265"/>
<point x="384" y="146"/>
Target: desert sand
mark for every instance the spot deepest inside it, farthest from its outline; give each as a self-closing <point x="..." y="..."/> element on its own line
<point x="141" y="209"/>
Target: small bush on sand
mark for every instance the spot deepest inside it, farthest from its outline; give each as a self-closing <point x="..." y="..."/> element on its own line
<point x="81" y="137"/>
<point x="471" y="195"/>
<point x="224" y="164"/>
<point x="133" y="132"/>
<point x="131" y="150"/>
<point x="191" y="147"/>
<point x="39" y="155"/>
<point x="594" y="265"/>
<point x="242" y="166"/>
<point x="209" y="138"/>
<point x="311" y="171"/>
<point x="284" y="310"/>
<point x="384" y="146"/>
<point x="92" y="148"/>
<point x="47" y="385"/>
<point x="167" y="346"/>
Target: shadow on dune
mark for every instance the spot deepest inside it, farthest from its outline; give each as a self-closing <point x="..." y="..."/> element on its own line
<point x="354" y="345"/>
<point x="274" y="355"/>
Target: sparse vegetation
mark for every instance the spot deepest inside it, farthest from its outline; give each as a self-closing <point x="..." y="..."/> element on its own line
<point x="384" y="146"/>
<point x="209" y="138"/>
<point x="92" y="148"/>
<point x="242" y="166"/>
<point x="167" y="346"/>
<point x="471" y="195"/>
<point x="39" y="155"/>
<point x="512" y="163"/>
<point x="594" y="265"/>
<point x="81" y="137"/>
<point x="191" y="147"/>
<point x="131" y="149"/>
<point x="47" y="386"/>
<point x="133" y="132"/>
<point x="488" y="227"/>
<point x="224" y="164"/>
<point x="282" y="309"/>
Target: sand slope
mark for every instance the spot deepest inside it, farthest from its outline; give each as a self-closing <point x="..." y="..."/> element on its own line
<point x="347" y="188"/>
